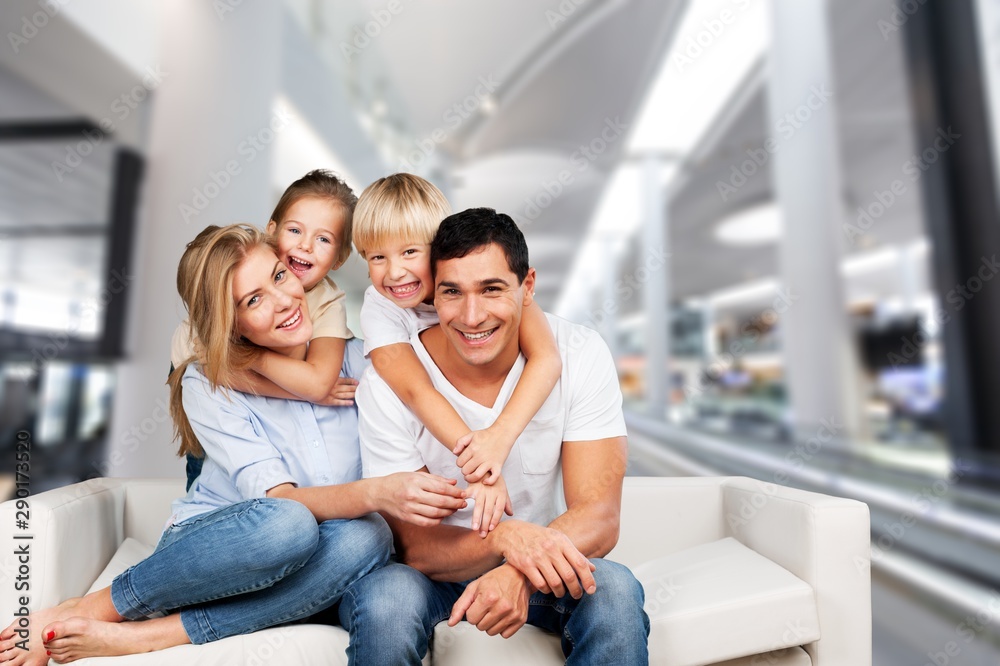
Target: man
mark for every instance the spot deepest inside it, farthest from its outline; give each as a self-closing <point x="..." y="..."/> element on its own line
<point x="543" y="566"/>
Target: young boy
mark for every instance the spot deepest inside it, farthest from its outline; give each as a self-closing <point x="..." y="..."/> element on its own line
<point x="395" y="221"/>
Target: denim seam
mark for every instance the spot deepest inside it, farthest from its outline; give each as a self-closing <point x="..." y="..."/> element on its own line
<point x="136" y="609"/>
<point x="202" y="631"/>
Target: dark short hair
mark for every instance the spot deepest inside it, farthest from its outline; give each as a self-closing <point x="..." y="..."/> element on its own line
<point x="475" y="228"/>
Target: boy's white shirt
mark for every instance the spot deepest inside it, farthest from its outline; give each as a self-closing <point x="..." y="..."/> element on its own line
<point x="326" y="309"/>
<point x="385" y="323"/>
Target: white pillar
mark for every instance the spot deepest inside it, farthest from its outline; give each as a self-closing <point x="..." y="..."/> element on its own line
<point x="609" y="295"/>
<point x="656" y="290"/>
<point x="213" y="109"/>
<point x="820" y="360"/>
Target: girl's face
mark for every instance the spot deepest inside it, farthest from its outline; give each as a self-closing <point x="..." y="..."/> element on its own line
<point x="310" y="237"/>
<point x="271" y="308"/>
<point x="401" y="272"/>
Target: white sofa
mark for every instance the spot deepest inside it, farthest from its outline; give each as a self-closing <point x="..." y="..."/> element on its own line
<point x="736" y="572"/>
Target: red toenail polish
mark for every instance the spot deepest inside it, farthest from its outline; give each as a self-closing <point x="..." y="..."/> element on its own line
<point x="47" y="653"/>
<point x="49" y="636"/>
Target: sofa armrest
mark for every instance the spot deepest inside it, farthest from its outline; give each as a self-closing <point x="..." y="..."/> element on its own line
<point x="147" y="507"/>
<point x="825" y="541"/>
<point x="74" y="532"/>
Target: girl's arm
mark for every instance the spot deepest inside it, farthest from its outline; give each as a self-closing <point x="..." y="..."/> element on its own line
<point x="483" y="453"/>
<point x="312" y="379"/>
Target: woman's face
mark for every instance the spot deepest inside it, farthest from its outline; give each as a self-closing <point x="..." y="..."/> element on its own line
<point x="271" y="308"/>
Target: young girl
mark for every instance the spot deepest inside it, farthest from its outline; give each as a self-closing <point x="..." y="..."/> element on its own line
<point x="312" y="227"/>
<point x="396" y="218"/>
<point x="279" y="522"/>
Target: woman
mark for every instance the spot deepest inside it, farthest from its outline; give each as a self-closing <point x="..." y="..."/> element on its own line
<point x="279" y="523"/>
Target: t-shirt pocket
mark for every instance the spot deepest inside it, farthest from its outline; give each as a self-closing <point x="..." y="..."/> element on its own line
<point x="540" y="444"/>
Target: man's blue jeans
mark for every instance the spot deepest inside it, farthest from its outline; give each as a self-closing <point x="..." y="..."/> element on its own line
<point x="392" y="612"/>
<point x="249" y="566"/>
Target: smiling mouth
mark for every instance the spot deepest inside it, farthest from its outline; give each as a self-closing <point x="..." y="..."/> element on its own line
<point x="298" y="266"/>
<point x="407" y="289"/>
<point x="478" y="337"/>
<point x="293" y="320"/>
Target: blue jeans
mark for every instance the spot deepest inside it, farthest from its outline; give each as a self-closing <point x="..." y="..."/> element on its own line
<point x="251" y="565"/>
<point x="391" y="614"/>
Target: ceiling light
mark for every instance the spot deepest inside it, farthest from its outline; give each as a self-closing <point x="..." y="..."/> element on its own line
<point x="757" y="225"/>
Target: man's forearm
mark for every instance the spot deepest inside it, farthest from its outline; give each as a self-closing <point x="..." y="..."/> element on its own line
<point x="593" y="528"/>
<point x="445" y="553"/>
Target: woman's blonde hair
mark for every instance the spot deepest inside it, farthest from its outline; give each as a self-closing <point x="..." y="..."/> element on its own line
<point x="205" y="283"/>
<point x="321" y="184"/>
<point x="398" y="206"/>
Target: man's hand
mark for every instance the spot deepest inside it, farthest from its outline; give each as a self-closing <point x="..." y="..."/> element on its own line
<point x="482" y="453"/>
<point x="491" y="503"/>
<point x="496" y="602"/>
<point x="547" y="557"/>
<point x="417" y="497"/>
<point x="342" y="394"/>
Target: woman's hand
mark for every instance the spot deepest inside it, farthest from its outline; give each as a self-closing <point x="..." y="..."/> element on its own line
<point x="417" y="497"/>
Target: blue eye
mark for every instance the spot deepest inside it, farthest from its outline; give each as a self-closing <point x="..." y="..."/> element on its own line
<point x="279" y="276"/>
<point x="293" y="230"/>
<point x="325" y="239"/>
<point x="252" y="300"/>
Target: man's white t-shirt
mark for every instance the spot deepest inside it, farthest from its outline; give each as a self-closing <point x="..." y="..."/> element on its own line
<point x="585" y="405"/>
<point x="385" y="323"/>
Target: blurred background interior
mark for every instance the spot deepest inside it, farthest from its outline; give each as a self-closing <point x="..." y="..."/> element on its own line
<point x="782" y="216"/>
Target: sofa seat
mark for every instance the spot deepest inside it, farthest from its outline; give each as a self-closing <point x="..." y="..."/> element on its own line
<point x="736" y="573"/>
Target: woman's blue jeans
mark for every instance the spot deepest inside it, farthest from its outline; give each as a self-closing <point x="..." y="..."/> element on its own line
<point x="391" y="615"/>
<point x="249" y="566"/>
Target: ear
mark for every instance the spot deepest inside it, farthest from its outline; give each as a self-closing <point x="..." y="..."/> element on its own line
<point x="529" y="287"/>
<point x="271" y="227"/>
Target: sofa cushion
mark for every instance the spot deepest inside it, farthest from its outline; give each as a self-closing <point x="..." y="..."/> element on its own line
<point x="129" y="553"/>
<point x="463" y="644"/>
<point x="720" y="601"/>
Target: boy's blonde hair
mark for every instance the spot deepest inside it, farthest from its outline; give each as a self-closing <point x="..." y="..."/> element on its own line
<point x="398" y="206"/>
<point x="321" y="184"/>
<point x="205" y="282"/>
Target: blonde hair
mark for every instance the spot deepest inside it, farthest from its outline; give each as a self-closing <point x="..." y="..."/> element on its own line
<point x="321" y="184"/>
<point x="398" y="206"/>
<point x="205" y="283"/>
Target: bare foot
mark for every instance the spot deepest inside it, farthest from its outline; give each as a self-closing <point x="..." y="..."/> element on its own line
<point x="22" y="645"/>
<point x="80" y="637"/>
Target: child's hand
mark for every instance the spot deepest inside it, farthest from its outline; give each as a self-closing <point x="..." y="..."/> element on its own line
<point x="481" y="455"/>
<point x="491" y="503"/>
<point x="342" y="394"/>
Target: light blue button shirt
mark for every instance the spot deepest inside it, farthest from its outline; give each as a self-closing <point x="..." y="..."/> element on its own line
<point x="254" y="443"/>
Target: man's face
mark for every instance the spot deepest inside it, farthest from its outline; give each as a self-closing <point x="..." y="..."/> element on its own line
<point x="479" y="302"/>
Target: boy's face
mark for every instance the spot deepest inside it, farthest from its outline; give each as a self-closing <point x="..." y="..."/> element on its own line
<point x="401" y="271"/>
<point x="309" y="238"/>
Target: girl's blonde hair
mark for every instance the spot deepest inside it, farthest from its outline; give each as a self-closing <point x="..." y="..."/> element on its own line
<point x="205" y="283"/>
<point x="398" y="206"/>
<point x="321" y="184"/>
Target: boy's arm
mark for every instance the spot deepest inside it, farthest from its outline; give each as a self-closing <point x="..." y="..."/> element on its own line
<point x="399" y="367"/>
<point x="482" y="455"/>
<point x="312" y="379"/>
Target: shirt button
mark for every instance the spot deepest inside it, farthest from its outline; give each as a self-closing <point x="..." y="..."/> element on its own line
<point x="315" y="442"/>
<point x="324" y="478"/>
